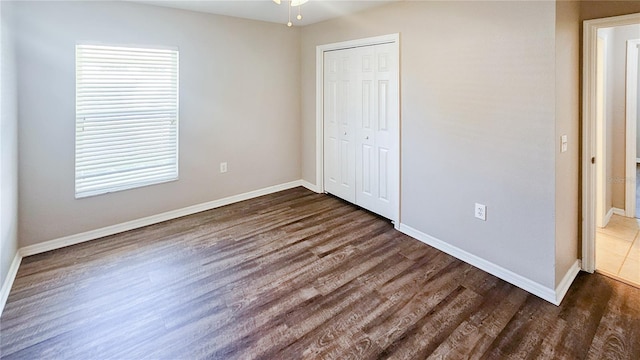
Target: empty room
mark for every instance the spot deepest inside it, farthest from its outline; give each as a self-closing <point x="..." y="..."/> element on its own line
<point x="312" y="179"/>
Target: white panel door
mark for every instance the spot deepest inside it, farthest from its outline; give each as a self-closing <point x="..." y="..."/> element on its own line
<point x="361" y="127"/>
<point x="377" y="130"/>
<point x="339" y="157"/>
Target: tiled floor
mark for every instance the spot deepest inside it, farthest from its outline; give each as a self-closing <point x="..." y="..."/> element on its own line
<point x="618" y="249"/>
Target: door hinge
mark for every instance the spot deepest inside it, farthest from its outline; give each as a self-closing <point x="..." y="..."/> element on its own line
<point x="593" y="160"/>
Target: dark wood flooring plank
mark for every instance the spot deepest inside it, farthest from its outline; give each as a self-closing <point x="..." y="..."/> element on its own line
<point x="468" y="338"/>
<point x="618" y="335"/>
<point x="524" y="332"/>
<point x="323" y="337"/>
<point x="366" y="281"/>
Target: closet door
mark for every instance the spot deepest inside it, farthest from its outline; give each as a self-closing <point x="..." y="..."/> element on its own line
<point x="377" y="129"/>
<point x="339" y="113"/>
<point x="361" y="127"/>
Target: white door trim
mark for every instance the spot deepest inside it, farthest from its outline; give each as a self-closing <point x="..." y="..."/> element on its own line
<point x="590" y="35"/>
<point x="320" y="50"/>
<point x="631" y="120"/>
<point x="603" y="214"/>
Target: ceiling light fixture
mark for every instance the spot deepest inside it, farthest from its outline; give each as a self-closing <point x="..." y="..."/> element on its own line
<point x="292" y="3"/>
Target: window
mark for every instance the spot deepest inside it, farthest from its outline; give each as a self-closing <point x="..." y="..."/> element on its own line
<point x="126" y="118"/>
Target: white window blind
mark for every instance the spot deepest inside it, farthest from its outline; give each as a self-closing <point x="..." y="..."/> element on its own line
<point x="126" y="118"/>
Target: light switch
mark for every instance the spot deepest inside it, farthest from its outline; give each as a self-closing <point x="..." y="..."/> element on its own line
<point x="563" y="143"/>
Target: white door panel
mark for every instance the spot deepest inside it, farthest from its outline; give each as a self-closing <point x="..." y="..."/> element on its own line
<point x="378" y="133"/>
<point x="339" y="156"/>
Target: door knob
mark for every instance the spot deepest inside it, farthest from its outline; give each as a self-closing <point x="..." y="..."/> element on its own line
<point x="345" y="133"/>
<point x="366" y="138"/>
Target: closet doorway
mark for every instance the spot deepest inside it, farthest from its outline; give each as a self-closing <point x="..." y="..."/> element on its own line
<point x="360" y="123"/>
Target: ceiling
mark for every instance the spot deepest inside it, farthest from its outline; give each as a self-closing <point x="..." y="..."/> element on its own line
<point x="266" y="10"/>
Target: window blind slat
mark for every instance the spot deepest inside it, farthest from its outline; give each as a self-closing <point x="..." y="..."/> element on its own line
<point x="102" y="55"/>
<point x="108" y="129"/>
<point x="140" y="180"/>
<point x="97" y="136"/>
<point x="119" y="149"/>
<point x="89" y="147"/>
<point x="119" y="153"/>
<point x="130" y="161"/>
<point x="126" y="118"/>
<point x="131" y="175"/>
<point x="114" y="111"/>
<point x="118" y="118"/>
<point x="121" y="92"/>
<point x="114" y="154"/>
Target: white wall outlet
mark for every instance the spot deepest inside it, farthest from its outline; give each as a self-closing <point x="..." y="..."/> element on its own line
<point x="223" y="167"/>
<point x="481" y="212"/>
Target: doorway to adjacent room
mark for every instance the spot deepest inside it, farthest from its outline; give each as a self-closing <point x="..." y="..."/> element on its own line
<point x="611" y="230"/>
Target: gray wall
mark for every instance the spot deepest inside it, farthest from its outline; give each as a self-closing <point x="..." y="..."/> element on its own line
<point x="617" y="104"/>
<point x="239" y="102"/>
<point x="8" y="145"/>
<point x="615" y="111"/>
<point x="478" y="123"/>
<point x="567" y="123"/>
<point x="607" y="35"/>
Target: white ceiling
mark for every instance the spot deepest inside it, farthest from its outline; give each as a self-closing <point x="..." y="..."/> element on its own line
<point x="266" y="10"/>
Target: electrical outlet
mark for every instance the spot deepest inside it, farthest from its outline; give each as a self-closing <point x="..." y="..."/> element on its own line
<point x="481" y="212"/>
<point x="223" y="167"/>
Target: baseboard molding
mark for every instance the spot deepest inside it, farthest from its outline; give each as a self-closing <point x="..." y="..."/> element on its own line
<point x="150" y="220"/>
<point x="8" y="281"/>
<point x="567" y="280"/>
<point x="607" y="218"/>
<point x="637" y="160"/>
<point x="310" y="186"/>
<point x="528" y="285"/>
<point x="610" y="213"/>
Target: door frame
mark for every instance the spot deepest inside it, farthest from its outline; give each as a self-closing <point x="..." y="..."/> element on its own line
<point x="631" y="91"/>
<point x="589" y="133"/>
<point x="320" y="50"/>
<point x="601" y="137"/>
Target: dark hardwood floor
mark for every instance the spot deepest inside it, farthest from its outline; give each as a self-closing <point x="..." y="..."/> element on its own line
<point x="296" y="275"/>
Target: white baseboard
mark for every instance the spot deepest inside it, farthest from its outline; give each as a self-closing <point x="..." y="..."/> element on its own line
<point x="567" y="280"/>
<point x="8" y="281"/>
<point x="607" y="218"/>
<point x="637" y="160"/>
<point x="610" y="213"/>
<point x="618" y="211"/>
<point x="310" y="186"/>
<point x="150" y="220"/>
<point x="509" y="276"/>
